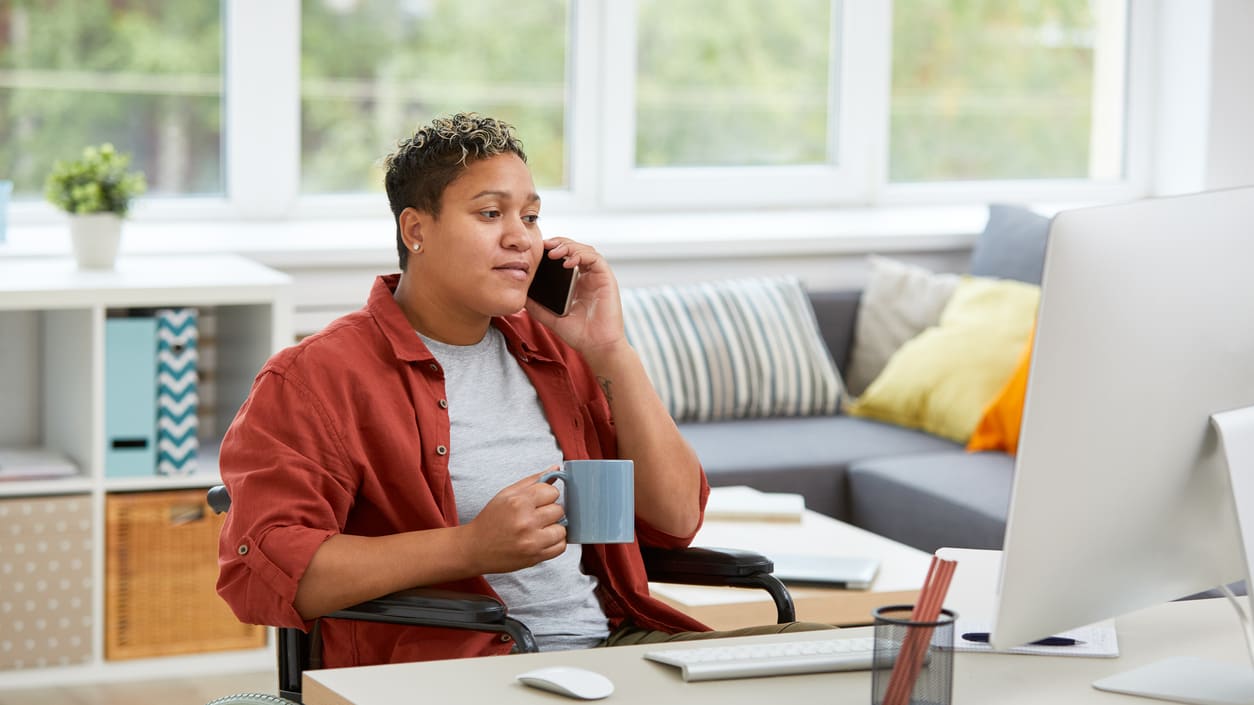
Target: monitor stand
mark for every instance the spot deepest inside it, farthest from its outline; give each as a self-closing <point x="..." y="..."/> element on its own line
<point x="1199" y="681"/>
<point x="1186" y="680"/>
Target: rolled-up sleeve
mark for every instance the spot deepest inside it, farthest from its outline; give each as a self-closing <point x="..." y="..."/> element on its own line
<point x="648" y="535"/>
<point x="284" y="465"/>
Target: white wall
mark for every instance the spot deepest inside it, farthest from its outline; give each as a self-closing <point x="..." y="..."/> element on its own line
<point x="1230" y="152"/>
<point x="1205" y="101"/>
<point x="321" y="293"/>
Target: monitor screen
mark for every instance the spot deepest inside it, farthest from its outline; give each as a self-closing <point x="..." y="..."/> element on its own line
<point x="1121" y="497"/>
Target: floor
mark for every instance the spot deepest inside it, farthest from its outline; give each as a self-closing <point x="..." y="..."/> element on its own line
<point x="175" y="691"/>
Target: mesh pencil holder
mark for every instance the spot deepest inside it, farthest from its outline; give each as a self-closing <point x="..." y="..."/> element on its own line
<point x="927" y="649"/>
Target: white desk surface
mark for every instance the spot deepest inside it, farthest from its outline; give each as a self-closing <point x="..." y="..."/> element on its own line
<point x="902" y="570"/>
<point x="1202" y="628"/>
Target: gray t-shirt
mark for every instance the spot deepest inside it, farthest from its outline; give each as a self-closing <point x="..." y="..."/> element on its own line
<point x="500" y="435"/>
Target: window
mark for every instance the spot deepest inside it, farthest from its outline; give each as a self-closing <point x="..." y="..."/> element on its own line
<point x="750" y="89"/>
<point x="285" y="108"/>
<point x="1007" y="90"/>
<point x="142" y="74"/>
<point x="373" y="70"/>
<point x="738" y="103"/>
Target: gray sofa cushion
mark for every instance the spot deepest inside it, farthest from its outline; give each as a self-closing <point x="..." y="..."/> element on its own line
<point x="934" y="500"/>
<point x="807" y="455"/>
<point x="1012" y="245"/>
<point x="836" y="312"/>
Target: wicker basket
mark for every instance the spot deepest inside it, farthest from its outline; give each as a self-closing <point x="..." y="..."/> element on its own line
<point x="161" y="565"/>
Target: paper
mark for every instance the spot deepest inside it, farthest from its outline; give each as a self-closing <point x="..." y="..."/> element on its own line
<point x="1099" y="640"/>
<point x="34" y="464"/>
<point x="741" y="503"/>
<point x="695" y="596"/>
<point x="974" y="595"/>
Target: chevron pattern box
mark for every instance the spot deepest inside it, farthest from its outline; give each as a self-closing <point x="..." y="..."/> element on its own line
<point x="177" y="398"/>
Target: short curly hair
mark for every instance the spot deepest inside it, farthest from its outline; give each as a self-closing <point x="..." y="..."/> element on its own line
<point x="416" y="174"/>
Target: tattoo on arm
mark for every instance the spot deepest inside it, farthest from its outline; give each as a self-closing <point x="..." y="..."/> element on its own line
<point x="606" y="383"/>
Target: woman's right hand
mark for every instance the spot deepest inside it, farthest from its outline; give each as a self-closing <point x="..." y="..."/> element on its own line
<point x="517" y="528"/>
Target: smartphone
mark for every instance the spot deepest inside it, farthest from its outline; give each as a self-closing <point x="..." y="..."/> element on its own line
<point x="553" y="287"/>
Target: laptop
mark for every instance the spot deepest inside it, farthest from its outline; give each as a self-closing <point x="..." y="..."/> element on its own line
<point x="812" y="570"/>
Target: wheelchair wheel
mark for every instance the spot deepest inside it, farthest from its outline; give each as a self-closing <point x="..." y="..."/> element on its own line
<point x="251" y="699"/>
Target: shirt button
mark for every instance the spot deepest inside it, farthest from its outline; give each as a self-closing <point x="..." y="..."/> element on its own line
<point x="444" y="403"/>
<point x="506" y="637"/>
<point x="243" y="550"/>
<point x="434" y="367"/>
<point x="441" y="450"/>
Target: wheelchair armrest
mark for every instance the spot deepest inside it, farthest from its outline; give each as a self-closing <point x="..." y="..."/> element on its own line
<point x="431" y="607"/>
<point x="427" y="607"/>
<point x="719" y="566"/>
<point x="421" y="606"/>
<point x="702" y="566"/>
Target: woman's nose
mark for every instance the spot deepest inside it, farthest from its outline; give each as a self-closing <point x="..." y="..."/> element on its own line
<point x="517" y="236"/>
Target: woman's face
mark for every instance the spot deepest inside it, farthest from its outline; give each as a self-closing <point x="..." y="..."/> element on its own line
<point x="479" y="256"/>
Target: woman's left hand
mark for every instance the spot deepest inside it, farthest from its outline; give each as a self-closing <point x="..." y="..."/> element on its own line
<point x="594" y="323"/>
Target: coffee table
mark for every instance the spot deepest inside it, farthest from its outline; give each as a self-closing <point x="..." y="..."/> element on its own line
<point x="901" y="573"/>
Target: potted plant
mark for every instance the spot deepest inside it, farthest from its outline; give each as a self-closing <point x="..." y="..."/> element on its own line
<point x="96" y="190"/>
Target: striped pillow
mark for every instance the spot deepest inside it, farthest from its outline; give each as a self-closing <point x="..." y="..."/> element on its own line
<point x="733" y="349"/>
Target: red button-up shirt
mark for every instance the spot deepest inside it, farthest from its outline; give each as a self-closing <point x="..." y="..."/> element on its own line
<point x="345" y="433"/>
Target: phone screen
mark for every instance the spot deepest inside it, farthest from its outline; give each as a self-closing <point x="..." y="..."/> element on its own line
<point x="553" y="286"/>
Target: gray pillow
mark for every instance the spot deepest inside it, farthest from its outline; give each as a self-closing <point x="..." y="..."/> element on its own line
<point x="1012" y="245"/>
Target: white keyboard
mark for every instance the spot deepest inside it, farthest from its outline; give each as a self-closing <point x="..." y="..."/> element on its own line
<point x="711" y="662"/>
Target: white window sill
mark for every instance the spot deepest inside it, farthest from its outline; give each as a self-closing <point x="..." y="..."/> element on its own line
<point x="621" y="237"/>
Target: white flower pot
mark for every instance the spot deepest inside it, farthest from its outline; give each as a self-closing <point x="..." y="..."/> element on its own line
<point x="95" y="238"/>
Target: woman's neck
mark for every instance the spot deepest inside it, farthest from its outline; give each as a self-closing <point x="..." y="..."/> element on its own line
<point x="435" y="319"/>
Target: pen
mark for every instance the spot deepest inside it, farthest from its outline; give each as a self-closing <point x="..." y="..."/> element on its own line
<point x="982" y="637"/>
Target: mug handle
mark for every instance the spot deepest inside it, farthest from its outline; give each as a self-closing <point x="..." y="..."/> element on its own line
<point x="558" y="475"/>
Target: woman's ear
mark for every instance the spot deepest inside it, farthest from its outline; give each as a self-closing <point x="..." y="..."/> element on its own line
<point x="411" y="229"/>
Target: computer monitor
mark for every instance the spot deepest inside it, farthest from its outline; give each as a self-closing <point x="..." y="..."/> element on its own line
<point x="1121" y="496"/>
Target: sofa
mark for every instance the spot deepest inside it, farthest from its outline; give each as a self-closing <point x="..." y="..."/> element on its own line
<point x="723" y="355"/>
<point x="910" y="486"/>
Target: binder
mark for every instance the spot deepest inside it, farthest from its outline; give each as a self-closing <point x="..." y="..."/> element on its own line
<point x="177" y="397"/>
<point x="130" y="389"/>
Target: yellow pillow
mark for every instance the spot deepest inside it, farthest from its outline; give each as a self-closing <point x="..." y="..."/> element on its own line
<point x="998" y="428"/>
<point x="942" y="380"/>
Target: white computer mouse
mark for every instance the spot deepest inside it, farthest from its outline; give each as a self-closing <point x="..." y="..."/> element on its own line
<point x="569" y="681"/>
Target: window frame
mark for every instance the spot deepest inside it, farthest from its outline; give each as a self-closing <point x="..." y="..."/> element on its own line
<point x="1138" y="136"/>
<point x="849" y="179"/>
<point x="262" y="131"/>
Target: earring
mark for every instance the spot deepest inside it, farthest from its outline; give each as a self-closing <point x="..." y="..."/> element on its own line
<point x="417" y="246"/>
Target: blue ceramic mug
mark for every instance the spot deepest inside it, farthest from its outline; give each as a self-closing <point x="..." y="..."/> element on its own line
<point x="600" y="500"/>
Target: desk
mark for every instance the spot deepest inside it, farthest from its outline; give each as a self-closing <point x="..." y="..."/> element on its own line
<point x="902" y="570"/>
<point x="1203" y="628"/>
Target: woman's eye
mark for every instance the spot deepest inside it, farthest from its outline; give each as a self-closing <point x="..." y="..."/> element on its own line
<point x="490" y="214"/>
<point x="531" y="219"/>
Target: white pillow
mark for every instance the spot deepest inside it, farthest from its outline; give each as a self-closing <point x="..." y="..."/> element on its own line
<point x="733" y="349"/>
<point x="900" y="301"/>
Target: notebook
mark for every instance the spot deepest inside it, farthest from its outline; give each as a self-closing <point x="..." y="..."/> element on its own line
<point x="741" y="503"/>
<point x="848" y="572"/>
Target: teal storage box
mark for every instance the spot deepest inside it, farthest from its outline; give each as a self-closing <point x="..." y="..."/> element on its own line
<point x="130" y="397"/>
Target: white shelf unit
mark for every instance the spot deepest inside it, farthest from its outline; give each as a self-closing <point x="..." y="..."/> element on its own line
<point x="52" y="323"/>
